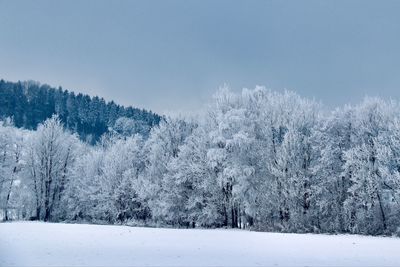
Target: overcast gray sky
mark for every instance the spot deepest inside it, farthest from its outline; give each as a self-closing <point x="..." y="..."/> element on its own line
<point x="172" y="55"/>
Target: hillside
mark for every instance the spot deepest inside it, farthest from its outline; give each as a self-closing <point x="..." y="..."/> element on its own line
<point x="46" y="244"/>
<point x="30" y="103"/>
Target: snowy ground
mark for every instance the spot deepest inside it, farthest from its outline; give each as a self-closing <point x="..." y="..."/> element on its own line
<point x="46" y="244"/>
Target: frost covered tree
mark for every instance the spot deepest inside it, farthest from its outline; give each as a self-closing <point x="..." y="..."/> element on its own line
<point x="332" y="139"/>
<point x="11" y="145"/>
<point x="106" y="180"/>
<point x="160" y="148"/>
<point x="49" y="158"/>
<point x="84" y="195"/>
<point x="191" y="195"/>
<point x="123" y="163"/>
<point x="367" y="208"/>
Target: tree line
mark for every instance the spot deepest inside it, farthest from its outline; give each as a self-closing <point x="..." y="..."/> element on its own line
<point x="30" y="103"/>
<point x="258" y="159"/>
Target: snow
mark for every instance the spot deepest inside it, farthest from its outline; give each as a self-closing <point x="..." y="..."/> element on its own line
<point x="48" y="244"/>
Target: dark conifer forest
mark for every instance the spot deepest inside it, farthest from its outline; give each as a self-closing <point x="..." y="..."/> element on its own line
<point x="30" y="103"/>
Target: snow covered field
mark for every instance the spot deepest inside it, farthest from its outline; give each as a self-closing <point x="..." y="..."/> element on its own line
<point x="47" y="244"/>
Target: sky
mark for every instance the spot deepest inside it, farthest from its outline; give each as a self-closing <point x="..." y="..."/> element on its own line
<point x="171" y="55"/>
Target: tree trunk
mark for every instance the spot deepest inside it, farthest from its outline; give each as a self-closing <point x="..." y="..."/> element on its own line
<point x="38" y="212"/>
<point x="232" y="217"/>
<point x="225" y="216"/>
<point x="8" y="199"/>
<point x="9" y="192"/>
<point x="382" y="212"/>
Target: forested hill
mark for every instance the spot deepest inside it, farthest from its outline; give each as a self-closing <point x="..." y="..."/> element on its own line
<point x="30" y="103"/>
